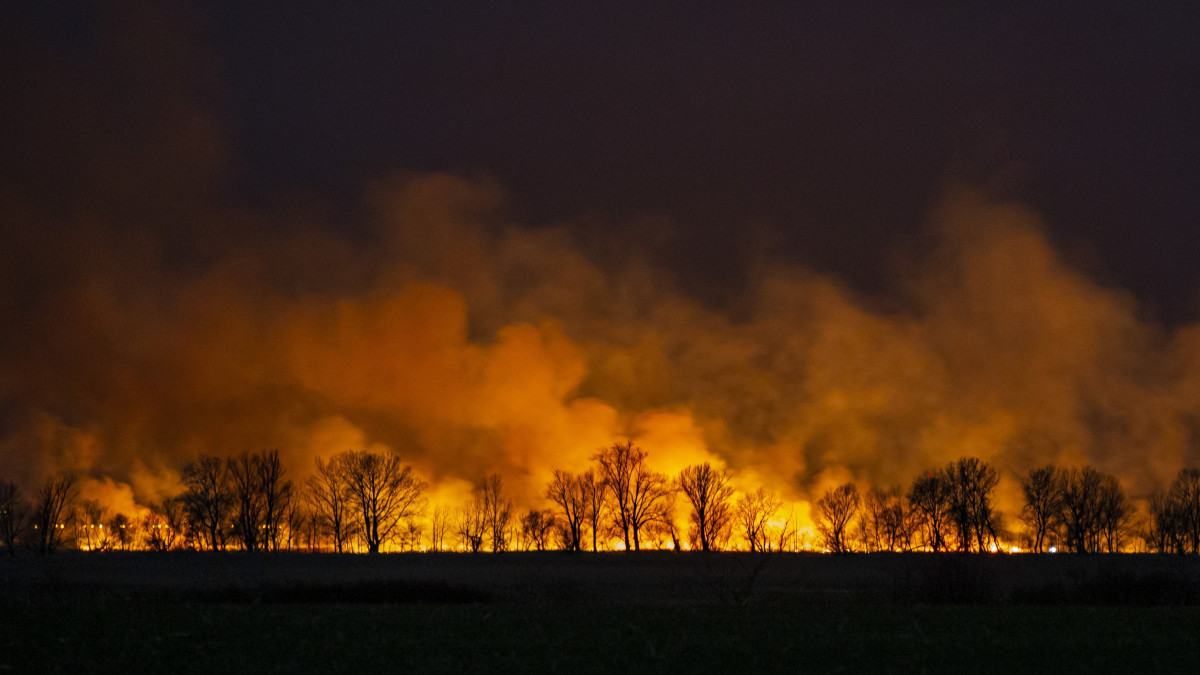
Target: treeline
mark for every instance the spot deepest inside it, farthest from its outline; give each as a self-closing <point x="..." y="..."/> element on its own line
<point x="372" y="501"/>
<point x="951" y="509"/>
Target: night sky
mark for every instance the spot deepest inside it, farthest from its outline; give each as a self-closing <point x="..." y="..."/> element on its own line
<point x="820" y="135"/>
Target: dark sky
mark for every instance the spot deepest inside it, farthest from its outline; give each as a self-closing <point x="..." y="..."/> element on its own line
<point x="819" y="135"/>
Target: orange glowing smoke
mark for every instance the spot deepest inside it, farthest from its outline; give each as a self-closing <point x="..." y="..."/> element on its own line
<point x="474" y="346"/>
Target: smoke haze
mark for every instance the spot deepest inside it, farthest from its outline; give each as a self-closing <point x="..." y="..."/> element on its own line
<point x="149" y="317"/>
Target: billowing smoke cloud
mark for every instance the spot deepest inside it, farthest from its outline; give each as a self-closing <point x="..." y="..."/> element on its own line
<point x="147" y="326"/>
<point x="473" y="346"/>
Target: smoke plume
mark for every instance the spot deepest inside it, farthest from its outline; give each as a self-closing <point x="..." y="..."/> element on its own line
<point x="149" y="318"/>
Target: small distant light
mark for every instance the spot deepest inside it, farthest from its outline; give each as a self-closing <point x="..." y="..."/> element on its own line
<point x="1054" y="549"/>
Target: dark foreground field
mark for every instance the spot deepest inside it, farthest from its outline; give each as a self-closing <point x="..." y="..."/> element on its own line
<point x="556" y="612"/>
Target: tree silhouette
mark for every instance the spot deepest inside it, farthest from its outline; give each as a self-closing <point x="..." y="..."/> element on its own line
<point x="569" y="494"/>
<point x="14" y="515"/>
<point x="1184" y="499"/>
<point x="410" y="533"/>
<point x="970" y="503"/>
<point x="123" y="531"/>
<point x="261" y="495"/>
<point x="1042" y="513"/>
<point x="497" y="512"/>
<point x="708" y="492"/>
<point x="438" y="521"/>
<point x="595" y="494"/>
<point x="1081" y="509"/>
<point x="754" y="512"/>
<point x="247" y="499"/>
<point x="52" y="508"/>
<point x="330" y="499"/>
<point x="90" y="523"/>
<point x="640" y="496"/>
<point x="1114" y="513"/>
<point x="1166" y="530"/>
<point x="887" y="521"/>
<point x="836" y="511"/>
<point x="383" y="491"/>
<point x="471" y="525"/>
<point x="276" y="490"/>
<point x="208" y="498"/>
<point x="303" y="526"/>
<point x="536" y="526"/>
<point x="164" y="524"/>
<point x="930" y="501"/>
<point x="1175" y="515"/>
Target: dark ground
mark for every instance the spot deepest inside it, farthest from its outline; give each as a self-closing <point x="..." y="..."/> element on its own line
<point x="554" y="612"/>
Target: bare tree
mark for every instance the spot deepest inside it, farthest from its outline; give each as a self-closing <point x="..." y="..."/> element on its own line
<point x="659" y="530"/>
<point x="536" y="526"/>
<point x="52" y="508"/>
<point x="640" y="496"/>
<point x="14" y="515"/>
<point x="330" y="500"/>
<point x="123" y="531"/>
<point x="261" y="495"/>
<point x="836" y="511"/>
<point x="887" y="522"/>
<point x="1167" y="529"/>
<point x="1175" y="516"/>
<point x="384" y="492"/>
<point x="89" y="521"/>
<point x="208" y="499"/>
<point x="929" y="499"/>
<point x="707" y="490"/>
<point x="754" y="513"/>
<point x="1114" y="514"/>
<point x="1081" y="509"/>
<point x="438" y="521"/>
<point x="651" y="498"/>
<point x="569" y="494"/>
<point x="471" y="525"/>
<point x="276" y="490"/>
<point x="1042" y="512"/>
<point x="163" y="525"/>
<point x="1185" y="497"/>
<point x="247" y="499"/>
<point x="788" y="539"/>
<point x="301" y="524"/>
<point x="1095" y="511"/>
<point x="411" y="533"/>
<point x="971" y="484"/>
<point x="498" y="512"/>
<point x="595" y="495"/>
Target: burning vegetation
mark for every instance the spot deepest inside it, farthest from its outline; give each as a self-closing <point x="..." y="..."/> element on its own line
<point x="371" y="502"/>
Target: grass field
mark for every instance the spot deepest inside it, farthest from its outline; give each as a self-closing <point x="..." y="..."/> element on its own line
<point x="559" y="613"/>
